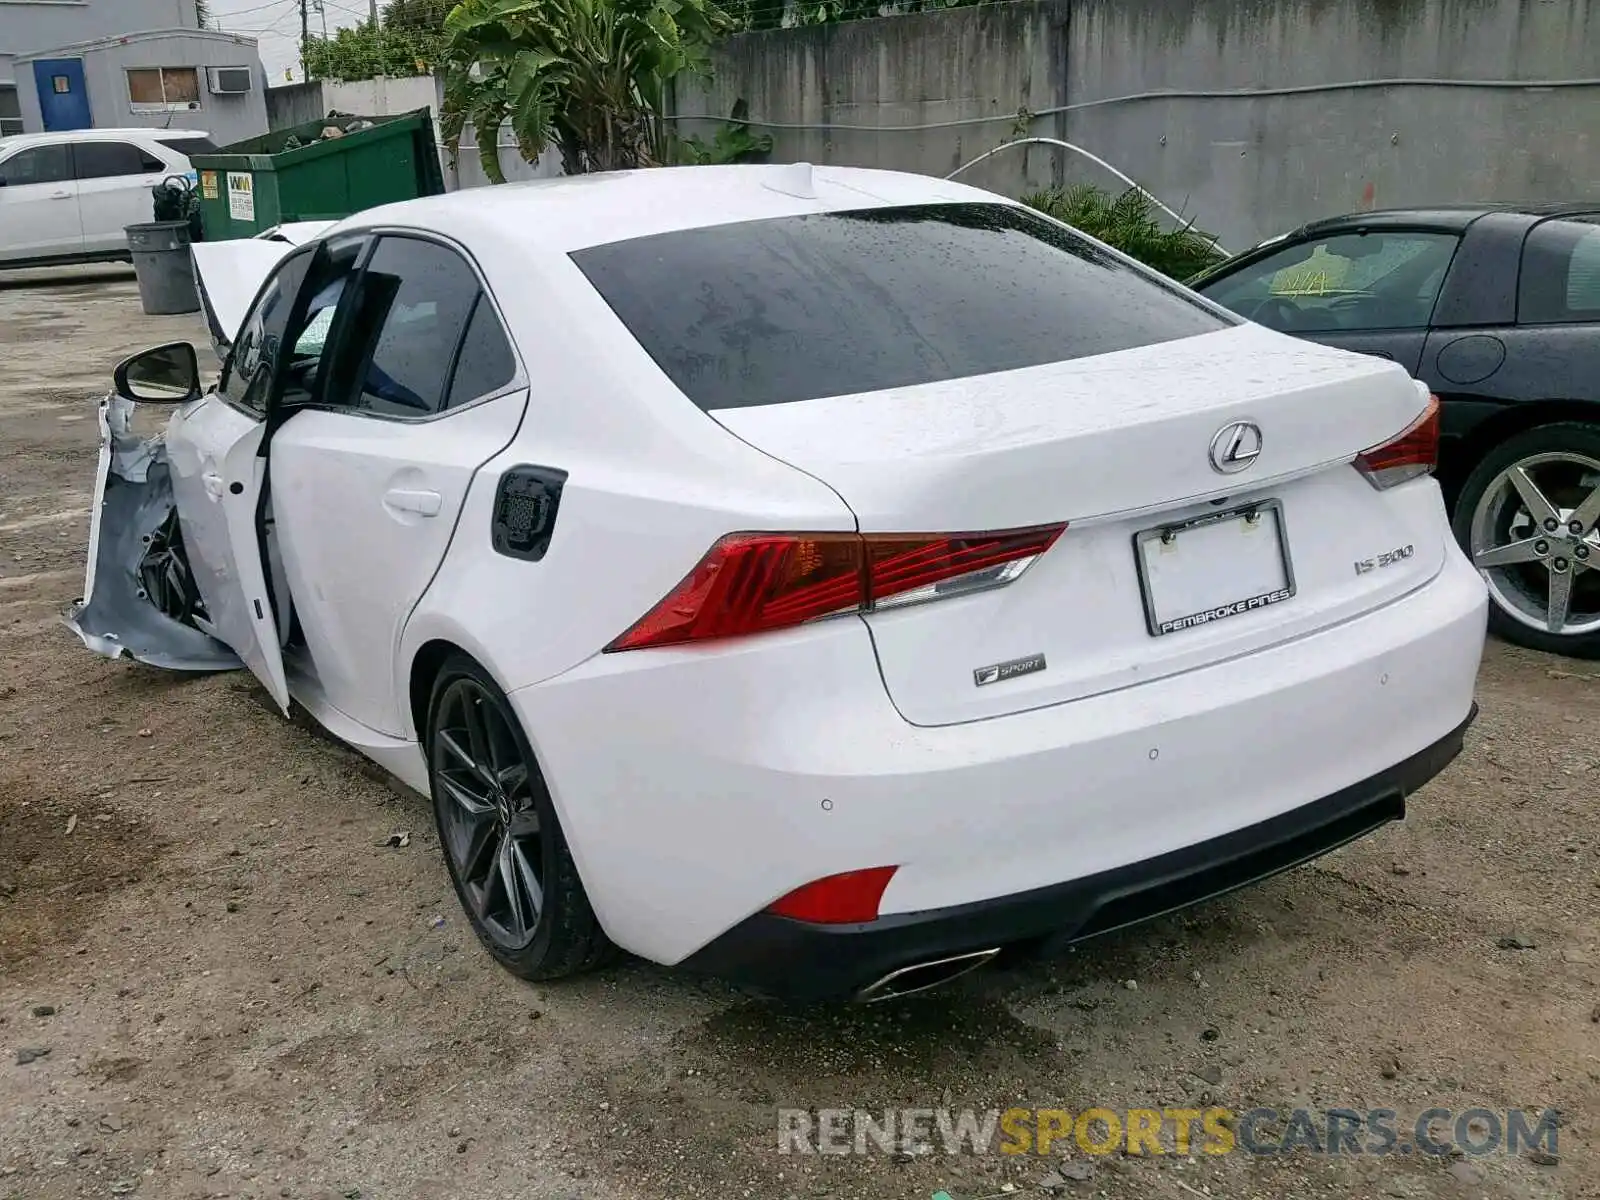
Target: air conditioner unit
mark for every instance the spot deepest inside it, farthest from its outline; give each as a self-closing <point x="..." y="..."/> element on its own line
<point x="229" y="81"/>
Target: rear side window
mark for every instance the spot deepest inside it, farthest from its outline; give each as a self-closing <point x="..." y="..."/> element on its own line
<point x="103" y="160"/>
<point x="795" y="308"/>
<point x="1560" y="279"/>
<point x="190" y="146"/>
<point x="37" y="164"/>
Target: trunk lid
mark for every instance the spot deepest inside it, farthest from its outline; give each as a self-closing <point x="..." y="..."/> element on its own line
<point x="1119" y="445"/>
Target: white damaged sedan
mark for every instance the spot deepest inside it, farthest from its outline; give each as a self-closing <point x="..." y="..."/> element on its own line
<point x="820" y="578"/>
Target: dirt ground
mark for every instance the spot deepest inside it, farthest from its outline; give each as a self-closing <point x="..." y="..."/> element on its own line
<point x="255" y="996"/>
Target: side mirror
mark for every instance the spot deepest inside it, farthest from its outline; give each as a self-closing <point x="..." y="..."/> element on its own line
<point x="165" y="375"/>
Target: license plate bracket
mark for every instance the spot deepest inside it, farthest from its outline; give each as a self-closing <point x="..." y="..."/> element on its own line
<point x="1224" y="564"/>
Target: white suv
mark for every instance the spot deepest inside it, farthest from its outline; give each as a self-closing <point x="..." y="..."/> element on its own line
<point x="66" y="197"/>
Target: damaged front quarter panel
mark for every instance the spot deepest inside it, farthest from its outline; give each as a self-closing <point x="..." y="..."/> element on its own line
<point x="139" y="597"/>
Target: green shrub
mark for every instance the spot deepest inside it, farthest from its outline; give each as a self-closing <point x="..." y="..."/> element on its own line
<point x="1129" y="223"/>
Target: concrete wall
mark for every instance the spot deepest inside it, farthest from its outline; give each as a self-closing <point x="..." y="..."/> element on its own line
<point x="294" y="104"/>
<point x="862" y="88"/>
<point x="1500" y="99"/>
<point x="27" y="26"/>
<point x="228" y="118"/>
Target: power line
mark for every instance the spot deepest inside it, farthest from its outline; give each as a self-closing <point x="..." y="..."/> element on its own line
<point x="245" y="12"/>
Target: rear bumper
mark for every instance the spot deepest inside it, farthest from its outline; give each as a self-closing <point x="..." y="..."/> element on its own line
<point x="799" y="961"/>
<point x="696" y="786"/>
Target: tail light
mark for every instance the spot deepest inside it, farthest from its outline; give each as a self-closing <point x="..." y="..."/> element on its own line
<point x="845" y="899"/>
<point x="753" y="582"/>
<point x="1415" y="452"/>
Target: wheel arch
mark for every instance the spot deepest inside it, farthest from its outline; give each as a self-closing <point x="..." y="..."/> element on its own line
<point x="1509" y="422"/>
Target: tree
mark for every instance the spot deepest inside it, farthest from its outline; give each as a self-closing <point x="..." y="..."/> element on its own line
<point x="422" y="16"/>
<point x="365" y="50"/>
<point x="591" y="77"/>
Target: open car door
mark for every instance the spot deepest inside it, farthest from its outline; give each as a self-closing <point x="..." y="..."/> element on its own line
<point x="218" y="477"/>
<point x="215" y="482"/>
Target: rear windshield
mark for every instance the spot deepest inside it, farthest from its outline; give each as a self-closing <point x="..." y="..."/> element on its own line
<point x="794" y="308"/>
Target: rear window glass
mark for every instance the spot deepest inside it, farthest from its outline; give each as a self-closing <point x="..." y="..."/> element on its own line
<point x="190" y="146"/>
<point x="795" y="308"/>
<point x="1560" y="273"/>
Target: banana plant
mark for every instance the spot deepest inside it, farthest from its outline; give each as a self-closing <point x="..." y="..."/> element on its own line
<point x="590" y="77"/>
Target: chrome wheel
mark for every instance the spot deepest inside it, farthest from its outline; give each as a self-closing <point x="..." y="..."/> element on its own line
<point x="488" y="817"/>
<point x="1535" y="535"/>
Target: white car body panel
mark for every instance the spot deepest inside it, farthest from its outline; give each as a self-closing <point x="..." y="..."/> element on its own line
<point x="752" y="766"/>
<point x="217" y="480"/>
<point x="780" y="725"/>
<point x="295" y="233"/>
<point x="358" y="575"/>
<point x="1112" y="446"/>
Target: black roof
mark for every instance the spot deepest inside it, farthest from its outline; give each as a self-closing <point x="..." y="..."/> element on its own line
<point x="1454" y="217"/>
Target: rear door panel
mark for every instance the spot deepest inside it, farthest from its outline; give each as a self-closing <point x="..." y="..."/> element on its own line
<point x="109" y="203"/>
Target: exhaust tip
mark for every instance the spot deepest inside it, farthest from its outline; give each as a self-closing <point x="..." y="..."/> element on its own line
<point x="921" y="977"/>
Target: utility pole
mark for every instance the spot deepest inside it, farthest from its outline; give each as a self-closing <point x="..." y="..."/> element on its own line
<point x="305" y="36"/>
<point x="373" y="6"/>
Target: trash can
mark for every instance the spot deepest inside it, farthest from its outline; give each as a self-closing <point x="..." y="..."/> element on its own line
<point x="162" y="262"/>
<point x="322" y="170"/>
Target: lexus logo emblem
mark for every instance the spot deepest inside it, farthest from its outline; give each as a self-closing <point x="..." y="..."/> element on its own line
<point x="1235" y="447"/>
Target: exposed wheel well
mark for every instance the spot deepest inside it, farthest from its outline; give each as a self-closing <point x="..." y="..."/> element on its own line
<point x="424" y="670"/>
<point x="1503" y="425"/>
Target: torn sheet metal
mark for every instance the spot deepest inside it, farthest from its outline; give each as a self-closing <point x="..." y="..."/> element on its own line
<point x="137" y="597"/>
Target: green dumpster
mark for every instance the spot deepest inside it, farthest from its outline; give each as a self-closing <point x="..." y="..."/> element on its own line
<point x="299" y="175"/>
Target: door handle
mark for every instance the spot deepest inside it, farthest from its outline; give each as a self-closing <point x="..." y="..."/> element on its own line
<point x="61" y="195"/>
<point x="423" y="503"/>
<point x="213" y="484"/>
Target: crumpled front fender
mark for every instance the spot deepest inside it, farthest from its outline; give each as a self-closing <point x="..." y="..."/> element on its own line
<point x="138" y="598"/>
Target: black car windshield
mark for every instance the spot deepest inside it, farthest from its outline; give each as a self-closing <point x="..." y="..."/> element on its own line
<point x="796" y="308"/>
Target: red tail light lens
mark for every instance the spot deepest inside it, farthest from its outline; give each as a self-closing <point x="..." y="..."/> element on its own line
<point x="1415" y="452"/>
<point x="753" y="582"/>
<point x="838" y="899"/>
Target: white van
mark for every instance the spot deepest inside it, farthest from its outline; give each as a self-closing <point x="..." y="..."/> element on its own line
<point x="66" y="197"/>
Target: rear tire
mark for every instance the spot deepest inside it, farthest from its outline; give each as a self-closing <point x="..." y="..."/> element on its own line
<point x="502" y="841"/>
<point x="1527" y="516"/>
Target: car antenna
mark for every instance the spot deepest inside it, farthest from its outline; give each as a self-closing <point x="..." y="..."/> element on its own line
<point x="793" y="179"/>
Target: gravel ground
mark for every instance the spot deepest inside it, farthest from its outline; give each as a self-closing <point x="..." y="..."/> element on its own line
<point x="244" y="991"/>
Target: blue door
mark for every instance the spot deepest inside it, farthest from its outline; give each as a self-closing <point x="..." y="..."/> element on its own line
<point x="63" y="93"/>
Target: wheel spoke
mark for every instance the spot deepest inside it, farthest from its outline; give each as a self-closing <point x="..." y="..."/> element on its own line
<point x="476" y="806"/>
<point x="477" y="855"/>
<point x="529" y="879"/>
<point x="1539" y="508"/>
<point x="1560" y="601"/>
<point x="481" y="748"/>
<point x="510" y="881"/>
<point x="513" y="780"/>
<point x="1507" y="555"/>
<point x="1587" y="514"/>
<point x="465" y="756"/>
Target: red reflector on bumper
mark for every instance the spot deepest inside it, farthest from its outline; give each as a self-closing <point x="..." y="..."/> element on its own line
<point x="845" y="899"/>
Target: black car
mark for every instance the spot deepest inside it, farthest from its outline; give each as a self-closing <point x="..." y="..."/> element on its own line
<point x="1497" y="310"/>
